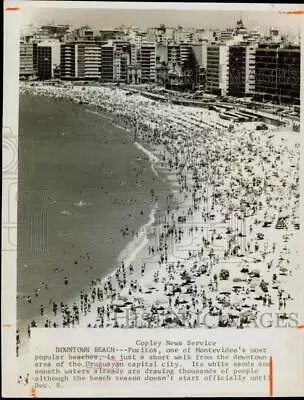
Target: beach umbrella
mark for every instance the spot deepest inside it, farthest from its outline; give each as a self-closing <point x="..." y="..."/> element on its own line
<point x="119" y="303"/>
<point x="123" y="298"/>
<point x="118" y="310"/>
<point x="170" y="319"/>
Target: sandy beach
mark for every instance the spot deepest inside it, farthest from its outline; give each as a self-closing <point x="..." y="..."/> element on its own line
<point x="222" y="250"/>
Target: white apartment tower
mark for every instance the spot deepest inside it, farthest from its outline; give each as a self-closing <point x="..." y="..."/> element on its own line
<point x="147" y="61"/>
<point x="217" y="69"/>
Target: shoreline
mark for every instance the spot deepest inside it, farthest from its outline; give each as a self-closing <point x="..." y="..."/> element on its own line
<point x="194" y="239"/>
<point x="140" y="231"/>
<point x="131" y="251"/>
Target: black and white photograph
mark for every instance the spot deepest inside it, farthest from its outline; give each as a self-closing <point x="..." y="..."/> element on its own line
<point x="158" y="170"/>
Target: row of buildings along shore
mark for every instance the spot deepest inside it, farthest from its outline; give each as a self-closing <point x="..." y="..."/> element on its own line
<point x="234" y="62"/>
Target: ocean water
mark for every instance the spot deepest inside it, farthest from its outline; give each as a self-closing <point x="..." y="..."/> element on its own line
<point x="81" y="182"/>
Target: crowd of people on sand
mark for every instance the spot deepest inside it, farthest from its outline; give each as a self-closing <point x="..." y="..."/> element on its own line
<point x="220" y="257"/>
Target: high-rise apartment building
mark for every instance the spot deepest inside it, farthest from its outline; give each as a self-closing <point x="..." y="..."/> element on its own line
<point x="48" y="59"/>
<point x="241" y="70"/>
<point x="200" y="54"/>
<point x="162" y="53"/>
<point x="115" y="61"/>
<point x="27" y="60"/>
<point x="266" y="70"/>
<point x="44" y="62"/>
<point x="88" y="61"/>
<point x="217" y="69"/>
<point x="277" y="73"/>
<point x="107" y="62"/>
<point x="147" y="62"/>
<point x="288" y="74"/>
<point x="124" y="66"/>
<point x="178" y="54"/>
<point x="81" y="61"/>
<point x="67" y="57"/>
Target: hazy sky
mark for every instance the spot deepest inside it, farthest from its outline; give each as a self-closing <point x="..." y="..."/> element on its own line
<point x="105" y="18"/>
